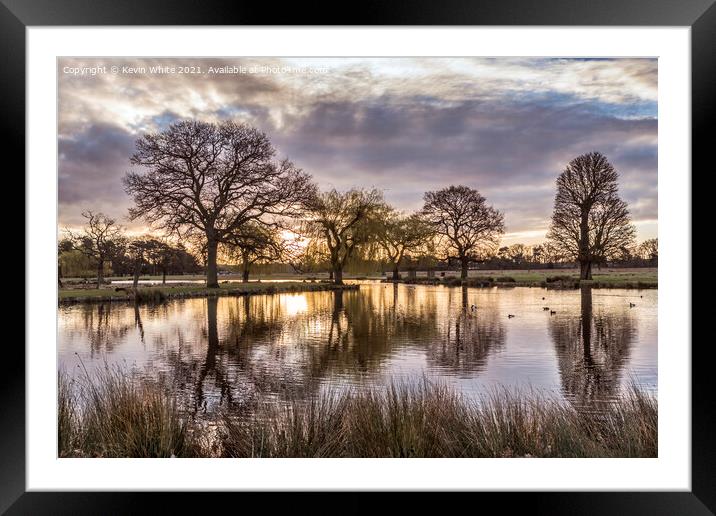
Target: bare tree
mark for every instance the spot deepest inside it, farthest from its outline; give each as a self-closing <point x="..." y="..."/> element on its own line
<point x="343" y="221"/>
<point x="399" y="235"/>
<point x="162" y="255"/>
<point x="100" y="240"/>
<point x="538" y="253"/>
<point x="551" y="254"/>
<point x="468" y="227"/>
<point x="63" y="246"/>
<point x="151" y="252"/>
<point x="307" y="255"/>
<point x="649" y="250"/>
<point x="503" y="254"/>
<point x="253" y="243"/>
<point x="518" y="253"/>
<point x="211" y="179"/>
<point x="590" y="223"/>
<point x="139" y="250"/>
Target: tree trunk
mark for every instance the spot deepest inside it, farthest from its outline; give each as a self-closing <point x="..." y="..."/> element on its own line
<point x="330" y="274"/>
<point x="585" y="261"/>
<point x="586" y="306"/>
<point x="247" y="309"/>
<point x="212" y="278"/>
<point x="100" y="273"/>
<point x="338" y="276"/>
<point x="245" y="266"/>
<point x="138" y="322"/>
<point x="212" y="327"/>
<point x="164" y="276"/>
<point x="396" y="272"/>
<point x="59" y="275"/>
<point x="137" y="270"/>
<point x="464" y="262"/>
<point x="337" y="302"/>
<point x="585" y="272"/>
<point x="212" y="350"/>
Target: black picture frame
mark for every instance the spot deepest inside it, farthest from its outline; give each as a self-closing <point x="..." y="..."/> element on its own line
<point x="700" y="15"/>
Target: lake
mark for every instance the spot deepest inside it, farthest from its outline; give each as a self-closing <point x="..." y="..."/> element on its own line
<point x="223" y="352"/>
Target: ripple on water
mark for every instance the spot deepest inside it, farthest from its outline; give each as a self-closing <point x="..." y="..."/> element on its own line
<point x="216" y="351"/>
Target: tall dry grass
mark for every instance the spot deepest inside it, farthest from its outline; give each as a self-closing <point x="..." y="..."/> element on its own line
<point x="427" y="420"/>
<point x="112" y="414"/>
<point x="109" y="413"/>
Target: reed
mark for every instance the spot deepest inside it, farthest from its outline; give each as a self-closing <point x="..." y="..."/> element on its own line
<point x="427" y="420"/>
<point x="111" y="413"/>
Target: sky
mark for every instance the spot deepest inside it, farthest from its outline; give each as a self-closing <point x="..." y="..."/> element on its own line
<point x="505" y="126"/>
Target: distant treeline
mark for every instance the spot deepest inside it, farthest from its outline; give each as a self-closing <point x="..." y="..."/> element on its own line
<point x="515" y="257"/>
<point x="161" y="259"/>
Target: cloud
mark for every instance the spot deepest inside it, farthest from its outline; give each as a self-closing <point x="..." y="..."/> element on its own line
<point x="91" y="164"/>
<point x="505" y="126"/>
<point x="512" y="152"/>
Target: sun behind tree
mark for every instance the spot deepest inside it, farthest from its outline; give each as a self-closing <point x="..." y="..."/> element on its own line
<point x="343" y="222"/>
<point x="211" y="179"/>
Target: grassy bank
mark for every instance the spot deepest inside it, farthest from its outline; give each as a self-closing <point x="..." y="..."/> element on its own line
<point x="558" y="279"/>
<point x="112" y="415"/>
<point x="318" y="276"/>
<point x="160" y="293"/>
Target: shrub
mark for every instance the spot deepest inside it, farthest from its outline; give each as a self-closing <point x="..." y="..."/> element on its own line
<point x="554" y="279"/>
<point x="149" y="295"/>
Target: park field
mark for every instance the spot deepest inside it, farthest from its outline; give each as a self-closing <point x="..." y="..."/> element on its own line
<point x="616" y="277"/>
<point x="549" y="278"/>
<point x="179" y="286"/>
<point x="184" y="290"/>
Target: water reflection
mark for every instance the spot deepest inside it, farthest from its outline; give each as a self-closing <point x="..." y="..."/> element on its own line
<point x="469" y="338"/>
<point x="104" y="327"/>
<point x="223" y="352"/>
<point x="592" y="351"/>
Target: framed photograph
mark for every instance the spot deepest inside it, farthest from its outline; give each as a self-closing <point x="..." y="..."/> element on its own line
<point x="416" y="253"/>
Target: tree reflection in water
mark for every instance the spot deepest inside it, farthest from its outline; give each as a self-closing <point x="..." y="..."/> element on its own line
<point x="258" y="348"/>
<point x="469" y="337"/>
<point x="592" y="350"/>
<point x="104" y="327"/>
<point x="230" y="351"/>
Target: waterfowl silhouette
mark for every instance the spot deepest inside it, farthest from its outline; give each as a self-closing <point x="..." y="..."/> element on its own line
<point x="552" y="312"/>
<point x="632" y="305"/>
<point x="510" y="316"/>
<point x="545" y="308"/>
